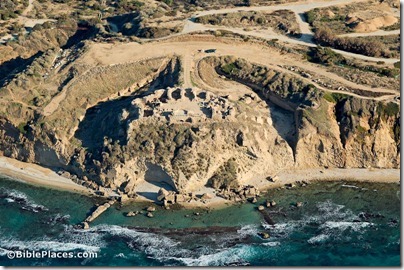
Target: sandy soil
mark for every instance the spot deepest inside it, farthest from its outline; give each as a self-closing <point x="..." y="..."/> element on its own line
<point x="109" y="54"/>
<point x="37" y="175"/>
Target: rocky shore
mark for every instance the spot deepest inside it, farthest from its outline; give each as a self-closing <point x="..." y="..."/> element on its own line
<point x="37" y="175"/>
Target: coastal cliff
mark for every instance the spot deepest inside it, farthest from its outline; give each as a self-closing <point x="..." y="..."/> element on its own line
<point x="148" y="129"/>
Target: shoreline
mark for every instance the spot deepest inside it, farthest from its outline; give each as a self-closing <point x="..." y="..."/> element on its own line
<point x="37" y="175"/>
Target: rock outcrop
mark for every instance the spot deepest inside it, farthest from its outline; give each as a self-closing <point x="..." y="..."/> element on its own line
<point x="190" y="139"/>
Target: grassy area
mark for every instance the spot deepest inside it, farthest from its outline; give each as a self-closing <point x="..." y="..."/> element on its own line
<point x="334" y="97"/>
<point x="388" y="110"/>
<point x="282" y="21"/>
<point x="229" y="68"/>
<point x="328" y="57"/>
<point x="22" y="127"/>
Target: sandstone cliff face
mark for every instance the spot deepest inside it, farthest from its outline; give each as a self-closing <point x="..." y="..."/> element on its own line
<point x="357" y="133"/>
<point x="196" y="138"/>
<point x="349" y="132"/>
<point x="192" y="138"/>
<point x="371" y="133"/>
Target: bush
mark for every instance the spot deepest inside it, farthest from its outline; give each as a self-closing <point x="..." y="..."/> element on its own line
<point x="325" y="56"/>
<point x="334" y="97"/>
<point x="310" y="16"/>
<point x="325" y="37"/>
<point x="229" y="68"/>
<point x="22" y="127"/>
<point x="388" y="110"/>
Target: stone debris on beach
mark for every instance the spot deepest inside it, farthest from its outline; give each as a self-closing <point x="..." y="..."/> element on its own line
<point x="172" y="197"/>
<point x="290" y="185"/>
<point x="273" y="179"/>
<point x="299" y="204"/>
<point x="206" y="196"/>
<point x="240" y="194"/>
<point x="151" y="209"/>
<point x="162" y="194"/>
<point x="149" y="214"/>
<point x="261" y="208"/>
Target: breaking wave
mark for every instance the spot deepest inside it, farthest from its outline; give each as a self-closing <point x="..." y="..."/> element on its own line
<point x="20" y="198"/>
<point x="45" y="245"/>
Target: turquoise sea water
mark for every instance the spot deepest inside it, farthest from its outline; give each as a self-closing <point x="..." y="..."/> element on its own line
<point x="339" y="224"/>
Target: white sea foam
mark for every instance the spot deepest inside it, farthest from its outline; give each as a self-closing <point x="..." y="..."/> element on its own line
<point x="21" y="198"/>
<point x="164" y="249"/>
<point x="154" y="246"/>
<point x="237" y="255"/>
<point x="330" y="219"/>
<point x="321" y="238"/>
<point x="343" y="225"/>
<point x="120" y="255"/>
<point x="14" y="194"/>
<point x="3" y="251"/>
<point x="283" y="230"/>
<point x="86" y="237"/>
<point x="271" y="244"/>
<point x="45" y="245"/>
<point x="247" y="230"/>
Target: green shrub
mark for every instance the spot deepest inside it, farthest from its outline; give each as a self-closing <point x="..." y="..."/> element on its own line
<point x="22" y="127"/>
<point x="310" y="16"/>
<point x="388" y="110"/>
<point x="229" y="68"/>
<point x="397" y="64"/>
<point x="334" y="97"/>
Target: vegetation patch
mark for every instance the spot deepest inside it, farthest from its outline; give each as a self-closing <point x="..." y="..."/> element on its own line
<point x="334" y="97"/>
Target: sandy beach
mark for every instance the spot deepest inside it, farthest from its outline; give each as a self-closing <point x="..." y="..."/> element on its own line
<point x="310" y="175"/>
<point x="37" y="175"/>
<point x="40" y="176"/>
<point x="331" y="174"/>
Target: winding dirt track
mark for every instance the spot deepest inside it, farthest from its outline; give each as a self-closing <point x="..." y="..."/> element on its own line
<point x="299" y="8"/>
<point x="108" y="54"/>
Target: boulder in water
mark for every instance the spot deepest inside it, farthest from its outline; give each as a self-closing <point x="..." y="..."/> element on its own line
<point x="85" y="225"/>
<point x="264" y="235"/>
<point x="131" y="214"/>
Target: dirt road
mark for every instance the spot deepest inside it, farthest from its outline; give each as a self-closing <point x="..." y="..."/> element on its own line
<point x="299" y="9"/>
<point x="376" y="33"/>
<point x="107" y="54"/>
